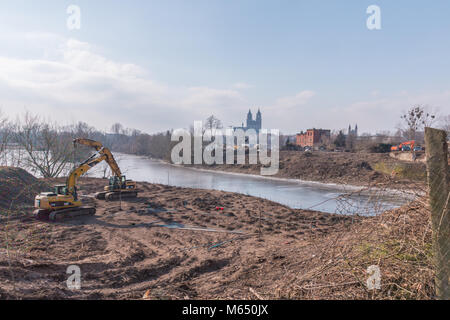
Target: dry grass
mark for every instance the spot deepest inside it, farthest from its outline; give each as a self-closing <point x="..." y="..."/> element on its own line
<point x="398" y="242"/>
<point x="328" y="260"/>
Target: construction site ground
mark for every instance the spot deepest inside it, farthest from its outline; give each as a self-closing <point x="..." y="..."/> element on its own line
<point x="340" y="167"/>
<point x="175" y="243"/>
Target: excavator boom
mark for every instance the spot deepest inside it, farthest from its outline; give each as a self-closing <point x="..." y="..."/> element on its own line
<point x="109" y="158"/>
<point x="118" y="186"/>
<point x="64" y="202"/>
<point x="80" y="170"/>
<point x="400" y="147"/>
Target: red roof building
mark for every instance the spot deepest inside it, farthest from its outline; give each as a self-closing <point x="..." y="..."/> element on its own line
<point x="313" y="137"/>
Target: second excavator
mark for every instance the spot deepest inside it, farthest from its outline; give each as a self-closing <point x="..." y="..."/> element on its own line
<point x="119" y="187"/>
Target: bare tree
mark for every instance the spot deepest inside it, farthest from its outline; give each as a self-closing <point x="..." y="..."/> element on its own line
<point x="5" y="135"/>
<point x="212" y="123"/>
<point x="444" y="122"/>
<point x="340" y="140"/>
<point x="416" y="119"/>
<point x="117" y="128"/>
<point x="350" y="141"/>
<point x="82" y="130"/>
<point x="49" y="149"/>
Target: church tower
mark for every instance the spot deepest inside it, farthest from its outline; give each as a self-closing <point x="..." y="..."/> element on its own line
<point x="258" y="120"/>
<point x="353" y="132"/>
<point x="255" y="124"/>
<point x="249" y="119"/>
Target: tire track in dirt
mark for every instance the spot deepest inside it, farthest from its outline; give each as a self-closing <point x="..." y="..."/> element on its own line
<point x="125" y="250"/>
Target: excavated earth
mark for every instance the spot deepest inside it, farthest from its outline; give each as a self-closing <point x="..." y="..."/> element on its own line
<point x="175" y="243"/>
<point x="339" y="167"/>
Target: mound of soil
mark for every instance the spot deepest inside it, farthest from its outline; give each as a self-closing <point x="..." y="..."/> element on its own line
<point x="338" y="167"/>
<point x="173" y="243"/>
<point x="18" y="188"/>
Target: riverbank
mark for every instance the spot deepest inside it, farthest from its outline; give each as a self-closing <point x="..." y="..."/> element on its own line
<point x="178" y="243"/>
<point x="359" y="169"/>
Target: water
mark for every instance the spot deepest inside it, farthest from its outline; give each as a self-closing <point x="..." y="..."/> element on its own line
<point x="293" y="193"/>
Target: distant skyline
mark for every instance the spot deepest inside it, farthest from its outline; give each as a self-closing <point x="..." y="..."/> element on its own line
<point x="156" y="65"/>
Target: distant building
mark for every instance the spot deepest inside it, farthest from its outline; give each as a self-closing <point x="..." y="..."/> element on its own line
<point x="313" y="137"/>
<point x="252" y="124"/>
<point x="353" y="132"/>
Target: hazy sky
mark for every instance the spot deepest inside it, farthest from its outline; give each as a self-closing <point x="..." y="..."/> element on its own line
<point x="154" y="65"/>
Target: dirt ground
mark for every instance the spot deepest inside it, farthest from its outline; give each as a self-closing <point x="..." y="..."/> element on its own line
<point x="339" y="167"/>
<point x="174" y="243"/>
<point x="18" y="187"/>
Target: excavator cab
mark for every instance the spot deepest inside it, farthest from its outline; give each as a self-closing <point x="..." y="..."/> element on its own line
<point x="118" y="188"/>
<point x="116" y="183"/>
<point x="59" y="204"/>
<point x="61" y="189"/>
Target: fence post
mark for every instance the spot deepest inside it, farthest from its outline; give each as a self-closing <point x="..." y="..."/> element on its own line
<point x="438" y="184"/>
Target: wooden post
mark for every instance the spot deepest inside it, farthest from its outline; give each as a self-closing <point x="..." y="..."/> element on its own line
<point x="438" y="183"/>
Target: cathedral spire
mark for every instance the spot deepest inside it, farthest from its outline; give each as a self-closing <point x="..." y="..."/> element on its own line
<point x="258" y="120"/>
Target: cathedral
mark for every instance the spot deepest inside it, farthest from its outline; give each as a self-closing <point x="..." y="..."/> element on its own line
<point x="353" y="132"/>
<point x="252" y="124"/>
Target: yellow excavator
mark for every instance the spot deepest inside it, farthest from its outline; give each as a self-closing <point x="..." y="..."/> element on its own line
<point x="119" y="186"/>
<point x="63" y="201"/>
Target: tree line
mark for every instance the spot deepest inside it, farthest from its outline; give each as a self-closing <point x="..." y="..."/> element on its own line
<point x="410" y="127"/>
<point x="46" y="148"/>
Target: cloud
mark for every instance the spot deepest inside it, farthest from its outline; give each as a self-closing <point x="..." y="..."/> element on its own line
<point x="373" y="113"/>
<point x="382" y="112"/>
<point x="68" y="80"/>
<point x="207" y="98"/>
<point x="77" y="84"/>
<point x="299" y="100"/>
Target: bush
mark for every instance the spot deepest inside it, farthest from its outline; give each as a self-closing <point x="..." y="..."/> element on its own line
<point x="380" y="148"/>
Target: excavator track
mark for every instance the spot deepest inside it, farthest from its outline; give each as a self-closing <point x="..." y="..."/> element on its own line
<point x="100" y="195"/>
<point x="41" y="214"/>
<point x="111" y="196"/>
<point x="63" y="214"/>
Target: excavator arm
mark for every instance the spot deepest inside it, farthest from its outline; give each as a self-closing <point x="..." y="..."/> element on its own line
<point x="64" y="201"/>
<point x="103" y="151"/>
<point x="80" y="170"/>
<point x="119" y="186"/>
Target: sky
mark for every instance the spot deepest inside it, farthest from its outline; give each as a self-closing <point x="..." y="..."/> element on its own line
<point x="155" y="65"/>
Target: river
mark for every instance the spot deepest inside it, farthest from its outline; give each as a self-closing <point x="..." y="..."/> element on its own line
<point x="296" y="194"/>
